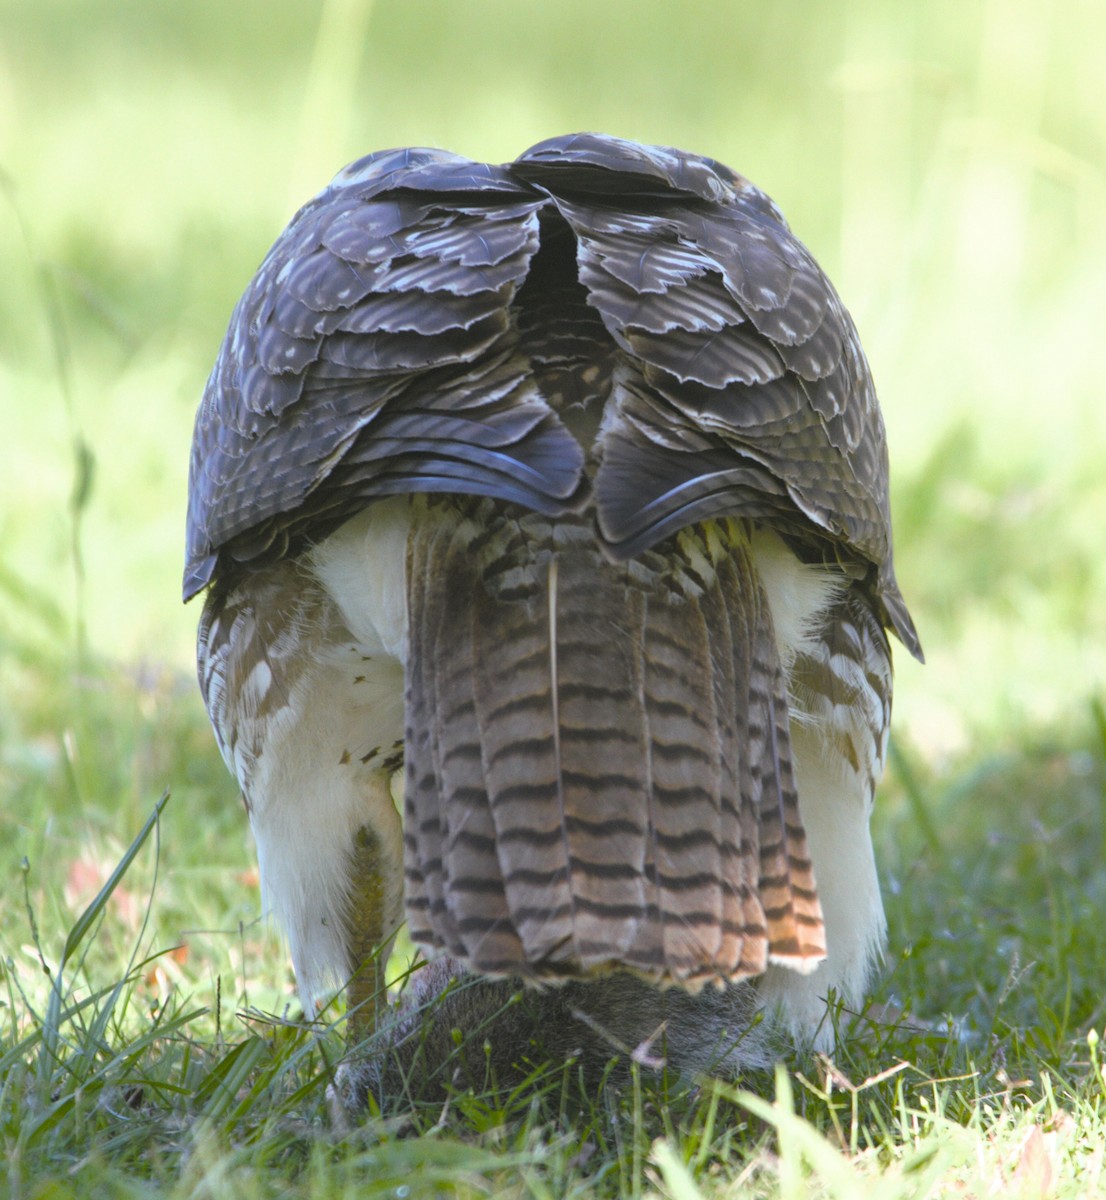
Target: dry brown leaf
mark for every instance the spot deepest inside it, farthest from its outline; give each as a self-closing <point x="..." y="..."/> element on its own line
<point x="1032" y="1177"/>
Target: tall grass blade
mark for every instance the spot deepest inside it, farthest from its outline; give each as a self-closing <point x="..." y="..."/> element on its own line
<point x="92" y="913"/>
<point x="799" y="1143"/>
<point x="54" y="1017"/>
<point x="678" y="1180"/>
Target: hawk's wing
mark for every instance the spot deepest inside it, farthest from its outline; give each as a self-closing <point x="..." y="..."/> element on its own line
<point x="387" y="287"/>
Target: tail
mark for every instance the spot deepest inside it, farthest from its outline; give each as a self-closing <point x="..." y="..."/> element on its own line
<point x="598" y="754"/>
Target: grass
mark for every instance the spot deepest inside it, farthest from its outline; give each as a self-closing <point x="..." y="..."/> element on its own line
<point x="122" y="1064"/>
<point x="945" y="162"/>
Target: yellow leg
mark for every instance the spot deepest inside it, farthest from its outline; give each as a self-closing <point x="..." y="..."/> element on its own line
<point x="371" y="928"/>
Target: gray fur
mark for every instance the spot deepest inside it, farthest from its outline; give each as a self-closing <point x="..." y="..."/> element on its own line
<point x="453" y="1031"/>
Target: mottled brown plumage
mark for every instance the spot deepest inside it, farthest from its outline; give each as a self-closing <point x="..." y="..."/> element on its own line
<point x="597" y="754"/>
<point x="579" y="459"/>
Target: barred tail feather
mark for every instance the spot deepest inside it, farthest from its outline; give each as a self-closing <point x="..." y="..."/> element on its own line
<point x="455" y="892"/>
<point x="598" y="769"/>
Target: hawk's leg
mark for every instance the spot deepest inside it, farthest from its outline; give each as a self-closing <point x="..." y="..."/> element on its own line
<point x="371" y="926"/>
<point x="841" y="706"/>
<point x="309" y="715"/>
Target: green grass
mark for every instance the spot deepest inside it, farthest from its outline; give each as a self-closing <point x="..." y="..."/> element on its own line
<point x="945" y="161"/>
<point x="127" y="1064"/>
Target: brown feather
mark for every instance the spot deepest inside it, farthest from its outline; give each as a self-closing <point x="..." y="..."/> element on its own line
<point x="597" y="758"/>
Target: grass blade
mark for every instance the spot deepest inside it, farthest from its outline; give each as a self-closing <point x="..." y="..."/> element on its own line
<point x="91" y="914"/>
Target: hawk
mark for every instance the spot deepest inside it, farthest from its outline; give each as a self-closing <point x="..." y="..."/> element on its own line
<point x="562" y="484"/>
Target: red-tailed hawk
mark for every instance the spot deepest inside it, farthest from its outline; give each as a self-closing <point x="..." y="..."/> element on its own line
<point x="562" y="483"/>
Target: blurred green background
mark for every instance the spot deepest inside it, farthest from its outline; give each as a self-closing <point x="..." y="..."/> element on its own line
<point x="944" y="159"/>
